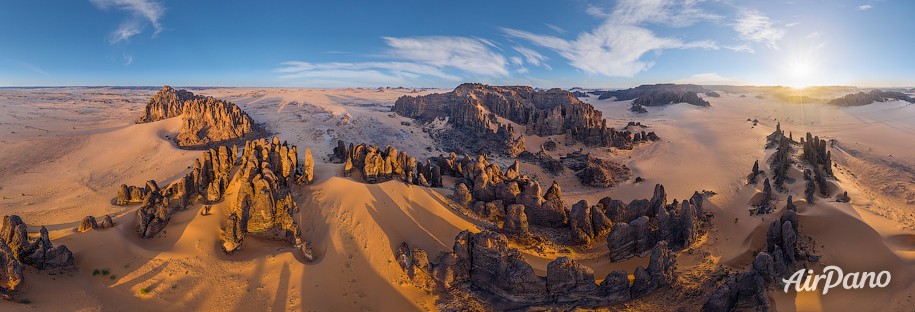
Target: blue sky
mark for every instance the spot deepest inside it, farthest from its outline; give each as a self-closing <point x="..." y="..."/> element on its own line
<point x="436" y="44"/>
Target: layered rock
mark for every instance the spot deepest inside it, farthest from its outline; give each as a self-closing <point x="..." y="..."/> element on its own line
<point x="473" y="110"/>
<point x="207" y="121"/>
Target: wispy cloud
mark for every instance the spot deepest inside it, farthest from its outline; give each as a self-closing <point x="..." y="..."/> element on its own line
<point x="471" y="55"/>
<point x="555" y="28"/>
<point x="615" y="48"/>
<point x="128" y="59"/>
<point x="412" y="58"/>
<point x="31" y="67"/>
<point x="756" y="27"/>
<point x="865" y="7"/>
<point x="140" y="10"/>
<point x="532" y="57"/>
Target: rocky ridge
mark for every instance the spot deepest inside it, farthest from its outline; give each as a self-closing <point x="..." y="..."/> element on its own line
<point x="207" y="121"/>
<point x="474" y="111"/>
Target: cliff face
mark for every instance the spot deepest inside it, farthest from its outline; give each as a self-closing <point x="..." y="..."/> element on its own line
<point x="476" y="108"/>
<point x="207" y="121"/>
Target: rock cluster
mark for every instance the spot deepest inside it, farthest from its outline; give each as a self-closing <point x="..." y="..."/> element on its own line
<point x="781" y="256"/>
<point x="16" y="250"/>
<point x="596" y="172"/>
<point x="207" y="121"/>
<point x="207" y="181"/>
<point x="642" y="223"/>
<point x="89" y="223"/>
<point x="780" y="160"/>
<point x="659" y="94"/>
<point x="377" y="165"/>
<point x="483" y="262"/>
<point x="510" y="197"/>
<point x="134" y="194"/>
<point x="264" y="205"/>
<point x="474" y="109"/>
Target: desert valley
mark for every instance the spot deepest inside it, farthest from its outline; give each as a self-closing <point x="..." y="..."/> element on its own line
<point x="669" y="197"/>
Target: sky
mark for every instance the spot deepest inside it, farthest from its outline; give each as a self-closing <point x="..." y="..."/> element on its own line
<point x="346" y="43"/>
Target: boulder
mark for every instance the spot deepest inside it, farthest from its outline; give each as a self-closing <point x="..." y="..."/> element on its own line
<point x="88" y="224"/>
<point x="568" y="280"/>
<point x="515" y="220"/>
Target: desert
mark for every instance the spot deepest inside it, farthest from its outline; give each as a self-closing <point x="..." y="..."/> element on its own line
<point x="588" y="155"/>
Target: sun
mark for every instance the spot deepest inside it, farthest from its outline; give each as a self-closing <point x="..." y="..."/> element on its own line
<point x="800" y="73"/>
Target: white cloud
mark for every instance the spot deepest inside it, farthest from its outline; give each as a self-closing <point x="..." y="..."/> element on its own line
<point x="707" y="79"/>
<point x="740" y="48"/>
<point x="412" y="59"/>
<point x="471" y="55"/>
<point x="148" y="10"/>
<point x="297" y="69"/>
<point x="615" y="48"/>
<point x="865" y="7"/>
<point x="555" y="28"/>
<point x="517" y="60"/>
<point x="128" y="59"/>
<point x="532" y="57"/>
<point x="755" y="27"/>
<point x="671" y="13"/>
<point x="596" y="12"/>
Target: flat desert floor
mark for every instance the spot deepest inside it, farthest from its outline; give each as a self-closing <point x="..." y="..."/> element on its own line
<point x="65" y="152"/>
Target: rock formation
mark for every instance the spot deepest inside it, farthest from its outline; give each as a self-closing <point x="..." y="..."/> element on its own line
<point x="377" y="165"/>
<point x="207" y="121"/>
<point x="862" y="98"/>
<point x="207" y="180"/>
<point x="596" y="172"/>
<point x="642" y="223"/>
<point x="40" y="254"/>
<point x="658" y="95"/>
<point x="473" y="110"/>
<point x="10" y="272"/>
<point x="264" y="205"/>
<point x="484" y="263"/>
<point x="782" y="256"/>
<point x="88" y="224"/>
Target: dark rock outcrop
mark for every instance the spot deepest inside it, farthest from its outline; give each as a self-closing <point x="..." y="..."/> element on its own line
<point x="207" y="121"/>
<point x="873" y="96"/>
<point x="659" y="94"/>
<point x="483" y="262"/>
<point x="596" y="172"/>
<point x="40" y="254"/>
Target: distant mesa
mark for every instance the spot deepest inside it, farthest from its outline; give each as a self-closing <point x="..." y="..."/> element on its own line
<point x="481" y="117"/>
<point x="865" y="98"/>
<point x="207" y="121"/>
<point x="660" y="95"/>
